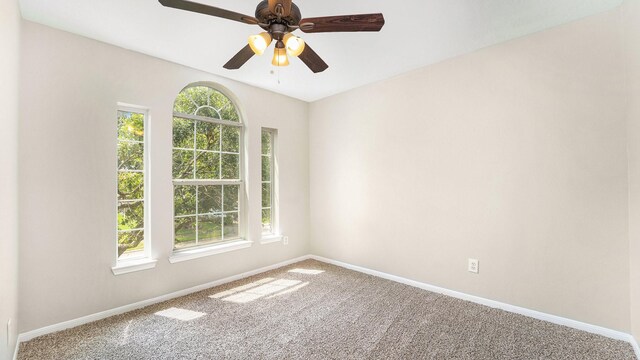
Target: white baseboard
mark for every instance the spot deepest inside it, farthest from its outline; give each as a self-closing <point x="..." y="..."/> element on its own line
<point x="15" y="352"/>
<point x="123" y="309"/>
<point x="634" y="343"/>
<point x="599" y="330"/>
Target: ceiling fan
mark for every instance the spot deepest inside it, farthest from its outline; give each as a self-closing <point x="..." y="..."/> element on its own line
<point x="279" y="18"/>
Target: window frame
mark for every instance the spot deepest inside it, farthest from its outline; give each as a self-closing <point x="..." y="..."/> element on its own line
<point x="274" y="235"/>
<point x="144" y="260"/>
<point x="240" y="242"/>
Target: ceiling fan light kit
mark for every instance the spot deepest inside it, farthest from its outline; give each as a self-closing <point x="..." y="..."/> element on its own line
<point x="293" y="44"/>
<point x="279" y="18"/>
<point x="280" y="55"/>
<point x="259" y="43"/>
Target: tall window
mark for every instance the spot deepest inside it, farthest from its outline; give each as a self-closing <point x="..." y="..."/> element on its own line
<point x="207" y="171"/>
<point x="268" y="181"/>
<point x="131" y="184"/>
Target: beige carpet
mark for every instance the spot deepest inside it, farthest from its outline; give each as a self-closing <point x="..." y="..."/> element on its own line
<point x="312" y="310"/>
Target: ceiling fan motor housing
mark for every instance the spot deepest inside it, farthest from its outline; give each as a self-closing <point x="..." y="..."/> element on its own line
<point x="278" y="31"/>
<point x="267" y="19"/>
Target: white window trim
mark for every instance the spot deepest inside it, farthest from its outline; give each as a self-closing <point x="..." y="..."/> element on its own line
<point x="145" y="261"/>
<point x="180" y="255"/>
<point x="204" y="251"/>
<point x="238" y="124"/>
<point x="270" y="239"/>
<point x="129" y="266"/>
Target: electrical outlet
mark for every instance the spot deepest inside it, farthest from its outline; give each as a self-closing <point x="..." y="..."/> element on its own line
<point x="474" y="266"/>
<point x="285" y="240"/>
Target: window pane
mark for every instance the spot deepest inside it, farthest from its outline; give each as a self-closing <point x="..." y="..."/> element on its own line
<point x="267" y="181"/>
<point x="185" y="231"/>
<point x="266" y="168"/>
<point x="229" y="113"/>
<point x="210" y="199"/>
<point x="130" y="215"/>
<point x="184" y="200"/>
<point x="230" y="139"/>
<point x="230" y="225"/>
<point x="184" y="104"/>
<point x="183" y="133"/>
<point x="130" y="156"/>
<point x="266" y="221"/>
<point x="231" y="195"/>
<point x="209" y="229"/>
<point x="207" y="165"/>
<point x="266" y="142"/>
<point x="130" y="242"/>
<point x="130" y="126"/>
<point x="182" y="164"/>
<point x="218" y="100"/>
<point x="130" y="186"/>
<point x="230" y="166"/>
<point x="199" y="95"/>
<point x="207" y="136"/>
<point x="266" y="195"/>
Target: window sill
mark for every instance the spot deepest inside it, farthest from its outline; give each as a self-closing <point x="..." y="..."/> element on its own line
<point x="270" y="239"/>
<point x="190" y="254"/>
<point x="125" y="267"/>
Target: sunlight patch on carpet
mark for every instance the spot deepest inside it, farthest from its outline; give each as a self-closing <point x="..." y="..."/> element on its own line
<point x="256" y="292"/>
<point x="180" y="314"/>
<point x="125" y="333"/>
<point x="238" y="289"/>
<point x="306" y="271"/>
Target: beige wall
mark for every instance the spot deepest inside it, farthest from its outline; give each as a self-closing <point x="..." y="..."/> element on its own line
<point x="514" y="155"/>
<point x="9" y="63"/>
<point x="631" y="10"/>
<point x="67" y="176"/>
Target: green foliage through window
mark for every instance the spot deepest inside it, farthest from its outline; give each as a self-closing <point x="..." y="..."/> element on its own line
<point x="207" y="102"/>
<point x="204" y="150"/>
<point x="130" y="184"/>
<point x="205" y="214"/>
<point x="267" y="181"/>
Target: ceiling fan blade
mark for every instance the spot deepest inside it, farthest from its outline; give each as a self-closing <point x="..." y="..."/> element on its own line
<point x="286" y="7"/>
<point x="209" y="10"/>
<point x="240" y="58"/>
<point x="343" y="23"/>
<point x="313" y="60"/>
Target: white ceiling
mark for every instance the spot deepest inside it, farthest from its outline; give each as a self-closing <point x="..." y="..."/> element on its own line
<point x="417" y="33"/>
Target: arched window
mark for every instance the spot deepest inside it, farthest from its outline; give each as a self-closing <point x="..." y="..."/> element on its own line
<point x="207" y="168"/>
